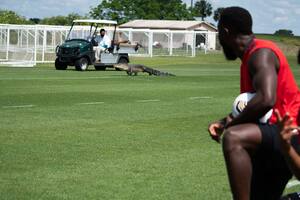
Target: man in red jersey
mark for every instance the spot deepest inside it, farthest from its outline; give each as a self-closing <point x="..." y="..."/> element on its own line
<point x="255" y="165"/>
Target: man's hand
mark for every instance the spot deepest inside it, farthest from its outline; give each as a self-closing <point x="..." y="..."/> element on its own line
<point x="216" y="129"/>
<point x="286" y="130"/>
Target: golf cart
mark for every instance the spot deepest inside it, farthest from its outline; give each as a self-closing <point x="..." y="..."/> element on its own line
<point x="78" y="50"/>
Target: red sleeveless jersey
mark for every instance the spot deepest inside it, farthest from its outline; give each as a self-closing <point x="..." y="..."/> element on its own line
<point x="288" y="95"/>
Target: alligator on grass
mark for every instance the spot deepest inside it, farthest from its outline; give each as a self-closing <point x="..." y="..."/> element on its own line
<point x="134" y="69"/>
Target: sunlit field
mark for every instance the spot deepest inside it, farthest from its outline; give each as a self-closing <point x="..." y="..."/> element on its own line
<point x="106" y="135"/>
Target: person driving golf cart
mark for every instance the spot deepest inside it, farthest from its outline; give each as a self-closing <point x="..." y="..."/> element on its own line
<point x="82" y="50"/>
<point x="103" y="41"/>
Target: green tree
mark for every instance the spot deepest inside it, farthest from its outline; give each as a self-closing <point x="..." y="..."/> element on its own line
<point x="11" y="17"/>
<point x="35" y="20"/>
<point x="202" y="9"/>
<point x="284" y="32"/>
<point x="56" y="20"/>
<point x="61" y="20"/>
<point x="126" y="10"/>
<point x="217" y="14"/>
<point x="72" y="16"/>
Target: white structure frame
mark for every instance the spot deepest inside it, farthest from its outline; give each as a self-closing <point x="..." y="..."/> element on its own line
<point x="41" y="40"/>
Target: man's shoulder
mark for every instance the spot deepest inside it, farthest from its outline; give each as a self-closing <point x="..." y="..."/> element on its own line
<point x="261" y="43"/>
<point x="263" y="48"/>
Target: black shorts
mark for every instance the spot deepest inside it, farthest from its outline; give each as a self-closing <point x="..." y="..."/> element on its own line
<point x="270" y="172"/>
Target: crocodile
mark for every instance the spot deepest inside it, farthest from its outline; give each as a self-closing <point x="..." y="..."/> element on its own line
<point x="134" y="69"/>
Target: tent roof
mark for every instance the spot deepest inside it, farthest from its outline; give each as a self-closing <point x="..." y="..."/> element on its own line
<point x="95" y="21"/>
<point x="165" y="24"/>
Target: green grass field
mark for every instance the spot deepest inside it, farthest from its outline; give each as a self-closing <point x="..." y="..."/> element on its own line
<point x="105" y="135"/>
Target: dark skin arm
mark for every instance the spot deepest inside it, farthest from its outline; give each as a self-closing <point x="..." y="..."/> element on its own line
<point x="286" y="132"/>
<point x="216" y="129"/>
<point x="263" y="67"/>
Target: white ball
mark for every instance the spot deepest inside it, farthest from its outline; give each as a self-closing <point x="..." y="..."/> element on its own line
<point x="241" y="102"/>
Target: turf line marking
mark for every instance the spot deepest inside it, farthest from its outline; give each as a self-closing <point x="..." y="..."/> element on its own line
<point x="292" y="183"/>
<point x="147" y="100"/>
<point x="90" y="103"/>
<point x="61" y="78"/>
<point x="194" y="98"/>
<point x="20" y="106"/>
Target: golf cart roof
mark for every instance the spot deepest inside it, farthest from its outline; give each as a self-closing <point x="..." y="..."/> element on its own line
<point x="95" y="21"/>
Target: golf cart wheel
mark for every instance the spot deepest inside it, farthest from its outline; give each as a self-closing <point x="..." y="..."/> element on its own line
<point x="122" y="61"/>
<point x="60" y="65"/>
<point x="81" y="64"/>
<point x="100" y="68"/>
